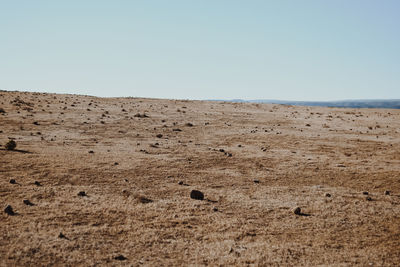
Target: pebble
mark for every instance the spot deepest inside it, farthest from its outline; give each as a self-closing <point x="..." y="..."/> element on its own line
<point x="9" y="210"/>
<point x="297" y="211"/>
<point x="82" y="194"/>
<point x="195" y="194"/>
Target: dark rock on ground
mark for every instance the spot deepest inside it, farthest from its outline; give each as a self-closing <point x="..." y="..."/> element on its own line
<point x="297" y="211"/>
<point x="27" y="202"/>
<point x="82" y="194"/>
<point x="195" y="194"/>
<point x="9" y="210"/>
<point x="120" y="258"/>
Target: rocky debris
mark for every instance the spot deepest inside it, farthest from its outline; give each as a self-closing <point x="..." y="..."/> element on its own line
<point x="297" y="211"/>
<point x="215" y="209"/>
<point x="12" y="181"/>
<point x="36" y="123"/>
<point x="11" y="145"/>
<point x="189" y="124"/>
<point x="120" y="258"/>
<point x="328" y="195"/>
<point x="28" y="203"/>
<point x="387" y="192"/>
<point x="144" y="200"/>
<point x="138" y="115"/>
<point x="37" y="183"/>
<point x="195" y="194"/>
<point x="256" y="181"/>
<point x="368" y="198"/>
<point x="177" y="130"/>
<point x="91" y="151"/>
<point x="159" y="135"/>
<point x="82" y="194"/>
<point x="116" y="163"/>
<point x="365" y="193"/>
<point x="61" y="235"/>
<point x="180" y="182"/>
<point x="9" y="210"/>
<point x="2" y="110"/>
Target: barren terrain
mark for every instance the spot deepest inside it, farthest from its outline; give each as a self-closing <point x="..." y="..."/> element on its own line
<point x="137" y="160"/>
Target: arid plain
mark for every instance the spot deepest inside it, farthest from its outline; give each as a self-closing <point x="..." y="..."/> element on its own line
<point x="107" y="181"/>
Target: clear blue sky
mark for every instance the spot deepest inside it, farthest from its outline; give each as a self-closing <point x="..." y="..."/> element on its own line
<point x="292" y="50"/>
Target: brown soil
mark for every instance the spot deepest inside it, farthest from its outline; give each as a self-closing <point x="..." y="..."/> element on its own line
<point x="255" y="163"/>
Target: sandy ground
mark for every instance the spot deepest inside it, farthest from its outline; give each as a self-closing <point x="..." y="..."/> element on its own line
<point x="254" y="163"/>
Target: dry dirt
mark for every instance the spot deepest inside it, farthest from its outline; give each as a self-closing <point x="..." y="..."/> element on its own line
<point x="254" y="163"/>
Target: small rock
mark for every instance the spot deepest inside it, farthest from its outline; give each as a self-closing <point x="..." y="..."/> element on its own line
<point x="368" y="198"/>
<point x="145" y="200"/>
<point x="189" y="124"/>
<point x="297" y="211"/>
<point x="37" y="183"/>
<point x="91" y="151"/>
<point x="195" y="194"/>
<point x="120" y="258"/>
<point x="328" y="195"/>
<point x="365" y="193"/>
<point x="180" y="182"/>
<point x="159" y="135"/>
<point x="12" y="181"/>
<point x="82" y="194"/>
<point x="11" y="145"/>
<point x="387" y="192"/>
<point x="116" y="163"/>
<point x="215" y="209"/>
<point x="256" y="181"/>
<point x="27" y="202"/>
<point x="9" y="210"/>
<point x="61" y="235"/>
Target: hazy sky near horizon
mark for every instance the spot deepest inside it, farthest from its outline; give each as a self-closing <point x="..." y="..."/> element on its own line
<point x="205" y="49"/>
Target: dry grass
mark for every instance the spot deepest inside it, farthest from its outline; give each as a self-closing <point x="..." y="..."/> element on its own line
<point x="254" y="163"/>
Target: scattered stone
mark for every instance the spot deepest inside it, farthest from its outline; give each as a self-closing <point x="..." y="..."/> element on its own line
<point x="159" y="135"/>
<point x="144" y="200"/>
<point x="180" y="182"/>
<point x="189" y="124"/>
<point x="12" y="181"/>
<point x="37" y="183"/>
<point x="328" y="195"/>
<point x="365" y="193"/>
<point x="138" y="115"/>
<point x="221" y="150"/>
<point x="256" y="181"/>
<point x="195" y="194"/>
<point x="91" y="151"/>
<point x="11" y="145"/>
<point x="61" y="235"/>
<point x="82" y="194"/>
<point x="116" y="163"/>
<point x="28" y="203"/>
<point x="297" y="211"/>
<point x="215" y="209"/>
<point x="36" y="123"/>
<point x="177" y="130"/>
<point x="9" y="210"/>
<point x="387" y="193"/>
<point x="368" y="198"/>
<point x="2" y="110"/>
<point x="120" y="258"/>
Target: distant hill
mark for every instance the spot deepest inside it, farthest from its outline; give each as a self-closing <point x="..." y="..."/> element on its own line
<point x="373" y="103"/>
